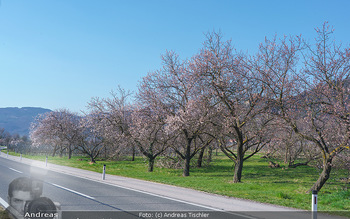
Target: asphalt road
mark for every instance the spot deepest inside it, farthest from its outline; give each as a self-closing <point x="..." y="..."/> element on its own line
<point x="84" y="195"/>
<point x="79" y="194"/>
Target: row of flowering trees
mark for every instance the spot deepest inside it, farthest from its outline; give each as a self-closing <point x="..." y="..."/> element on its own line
<point x="291" y="95"/>
<point x="15" y="142"/>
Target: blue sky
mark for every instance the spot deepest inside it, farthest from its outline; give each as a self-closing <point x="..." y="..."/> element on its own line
<point x="61" y="53"/>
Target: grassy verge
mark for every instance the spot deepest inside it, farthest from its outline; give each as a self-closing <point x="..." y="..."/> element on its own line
<point x="280" y="186"/>
<point x="4" y="214"/>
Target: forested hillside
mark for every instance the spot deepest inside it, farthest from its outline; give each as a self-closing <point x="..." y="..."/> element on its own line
<point x="17" y="120"/>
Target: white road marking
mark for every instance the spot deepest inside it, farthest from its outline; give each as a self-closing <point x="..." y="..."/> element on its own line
<point x="160" y="196"/>
<point x="70" y="190"/>
<point x="174" y="199"/>
<point x="136" y="190"/>
<point x="140" y="191"/>
<point x="4" y="203"/>
<point x="15" y="170"/>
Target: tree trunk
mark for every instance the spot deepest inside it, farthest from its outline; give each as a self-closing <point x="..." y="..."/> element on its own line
<point x="133" y="153"/>
<point x="322" y="179"/>
<point x="54" y="151"/>
<point x="238" y="169"/>
<point x="200" y="158"/>
<point x="186" y="171"/>
<point x="210" y="154"/>
<point x="150" y="164"/>
<point x="286" y="156"/>
<point x="92" y="159"/>
<point x="70" y="151"/>
<point x="239" y="162"/>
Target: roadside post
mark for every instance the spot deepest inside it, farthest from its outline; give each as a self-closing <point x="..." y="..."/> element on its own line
<point x="7" y="155"/>
<point x="20" y="157"/>
<point x="46" y="162"/>
<point x="314" y="204"/>
<point x="104" y="172"/>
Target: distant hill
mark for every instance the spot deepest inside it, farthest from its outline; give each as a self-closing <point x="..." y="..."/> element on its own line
<point x="17" y="120"/>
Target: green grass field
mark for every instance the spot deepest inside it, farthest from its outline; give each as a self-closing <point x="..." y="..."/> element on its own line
<point x="280" y="186"/>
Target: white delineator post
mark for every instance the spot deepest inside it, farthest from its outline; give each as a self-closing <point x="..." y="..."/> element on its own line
<point x="20" y="157"/>
<point x="314" y="204"/>
<point x="46" y="162"/>
<point x="104" y="172"/>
